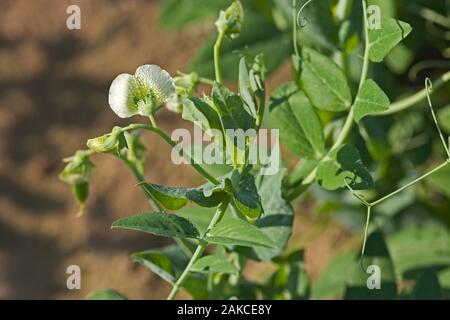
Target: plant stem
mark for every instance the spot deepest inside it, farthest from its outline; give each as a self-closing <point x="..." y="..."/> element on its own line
<point x="199" y="250"/>
<point x="153" y="121"/>
<point x="153" y="202"/>
<point x="206" y="81"/>
<point x="365" y="67"/>
<point x="366" y="231"/>
<point x="217" y="64"/>
<point x="166" y="138"/>
<point x="348" y="124"/>
<point x="411" y="183"/>
<point x="415" y="98"/>
<point x="428" y="87"/>
<point x="294" y="28"/>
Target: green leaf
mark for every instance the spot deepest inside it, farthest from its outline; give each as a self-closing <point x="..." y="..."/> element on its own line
<point x="399" y="59"/>
<point x="238" y="232"/>
<point x="416" y="249"/>
<point x="175" y="198"/>
<point x="252" y="84"/>
<point x="168" y="262"/>
<point x="158" y="223"/>
<point x="376" y="254"/>
<point x="246" y="198"/>
<point x="266" y="41"/>
<point x="427" y="287"/>
<point x="178" y="13"/>
<point x="321" y="27"/>
<point x="278" y="216"/>
<point x="444" y="119"/>
<point x="231" y="109"/>
<point x="444" y="280"/>
<point x="237" y="123"/>
<point x="324" y="82"/>
<point x="383" y="40"/>
<point x="332" y="280"/>
<point x="303" y="168"/>
<point x="344" y="164"/>
<point x="105" y="294"/>
<point x="370" y="100"/>
<point x="214" y="264"/>
<point x="200" y="217"/>
<point x="198" y="111"/>
<point x="300" y="127"/>
<point x="290" y="281"/>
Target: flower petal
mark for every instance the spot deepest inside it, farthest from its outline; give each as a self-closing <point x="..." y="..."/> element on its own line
<point x="121" y="99"/>
<point x="158" y="80"/>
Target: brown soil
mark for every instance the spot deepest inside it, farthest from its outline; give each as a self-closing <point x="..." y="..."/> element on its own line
<point x="53" y="96"/>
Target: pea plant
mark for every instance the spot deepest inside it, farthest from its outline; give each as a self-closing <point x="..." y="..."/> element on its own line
<point x="333" y="116"/>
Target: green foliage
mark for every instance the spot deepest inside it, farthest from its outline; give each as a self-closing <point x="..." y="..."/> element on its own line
<point x="167" y="262"/>
<point x="370" y="100"/>
<point x="214" y="264"/>
<point x="158" y="223"/>
<point x="383" y="40"/>
<point x="334" y="117"/>
<point x="240" y="233"/>
<point x="324" y="82"/>
<point x="176" y="198"/>
<point x="344" y="165"/>
<point x="300" y="126"/>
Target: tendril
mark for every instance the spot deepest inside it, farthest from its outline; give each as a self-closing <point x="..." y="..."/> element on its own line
<point x="302" y="21"/>
<point x="429" y="89"/>
<point x="429" y="64"/>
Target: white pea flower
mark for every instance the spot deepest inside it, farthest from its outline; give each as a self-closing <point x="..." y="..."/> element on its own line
<point x="142" y="93"/>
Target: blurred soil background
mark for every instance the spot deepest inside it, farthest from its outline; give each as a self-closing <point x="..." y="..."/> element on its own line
<point x="53" y="96"/>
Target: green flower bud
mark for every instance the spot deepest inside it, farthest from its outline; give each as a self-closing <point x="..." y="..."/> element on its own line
<point x="185" y="85"/>
<point x="78" y="169"/>
<point x="230" y="21"/>
<point x="111" y="142"/>
<point x="77" y="173"/>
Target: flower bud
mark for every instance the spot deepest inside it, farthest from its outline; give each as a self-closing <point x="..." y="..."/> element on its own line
<point x="77" y="173"/>
<point x="111" y="142"/>
<point x="230" y="21"/>
<point x="185" y="85"/>
<point x="78" y="169"/>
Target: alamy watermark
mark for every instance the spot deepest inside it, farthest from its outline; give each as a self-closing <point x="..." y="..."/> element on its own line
<point x="373" y="16"/>
<point x="73" y="21"/>
<point x="73" y="281"/>
<point x="259" y="148"/>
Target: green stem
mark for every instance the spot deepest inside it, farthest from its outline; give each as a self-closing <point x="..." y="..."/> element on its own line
<point x="206" y="81"/>
<point x="153" y="121"/>
<point x="366" y="231"/>
<point x="153" y="201"/>
<point x="199" y="250"/>
<point x="294" y="28"/>
<point x="172" y="143"/>
<point x="365" y="67"/>
<point x="217" y="64"/>
<point x="429" y="87"/>
<point x="411" y="183"/>
<point x="348" y="124"/>
<point x="415" y="98"/>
